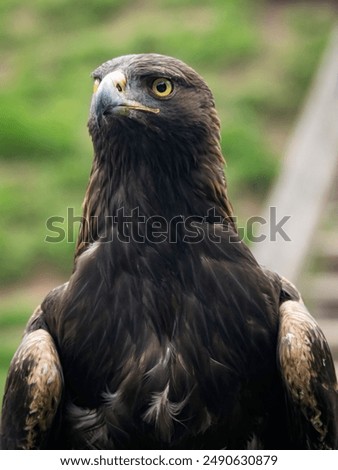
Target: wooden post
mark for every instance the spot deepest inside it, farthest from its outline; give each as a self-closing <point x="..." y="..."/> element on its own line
<point x="306" y="175"/>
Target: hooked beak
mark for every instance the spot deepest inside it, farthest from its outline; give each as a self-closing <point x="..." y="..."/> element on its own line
<point x="110" y="99"/>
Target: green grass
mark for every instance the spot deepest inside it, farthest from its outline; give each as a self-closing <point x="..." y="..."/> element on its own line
<point x="49" y="47"/>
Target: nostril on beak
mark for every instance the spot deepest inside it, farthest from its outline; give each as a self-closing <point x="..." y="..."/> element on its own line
<point x="118" y="80"/>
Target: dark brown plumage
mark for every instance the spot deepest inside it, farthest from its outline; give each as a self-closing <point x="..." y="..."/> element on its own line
<point x="168" y="333"/>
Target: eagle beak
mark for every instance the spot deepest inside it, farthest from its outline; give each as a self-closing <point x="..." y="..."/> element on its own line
<point x="110" y="98"/>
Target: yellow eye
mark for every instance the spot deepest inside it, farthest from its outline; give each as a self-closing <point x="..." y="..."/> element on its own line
<point x="97" y="82"/>
<point x="162" y="87"/>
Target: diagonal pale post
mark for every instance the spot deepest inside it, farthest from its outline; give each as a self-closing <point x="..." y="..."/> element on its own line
<point x="307" y="173"/>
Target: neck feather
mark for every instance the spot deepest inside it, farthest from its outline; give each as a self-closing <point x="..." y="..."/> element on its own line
<point x="156" y="178"/>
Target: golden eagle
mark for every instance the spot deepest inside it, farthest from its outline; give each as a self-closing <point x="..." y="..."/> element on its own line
<point x="168" y="334"/>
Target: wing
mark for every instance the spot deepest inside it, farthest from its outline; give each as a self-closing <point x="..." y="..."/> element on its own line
<point x="308" y="374"/>
<point x="33" y="389"/>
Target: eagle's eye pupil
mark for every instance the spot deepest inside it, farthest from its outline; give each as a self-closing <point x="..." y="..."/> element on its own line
<point x="162" y="87"/>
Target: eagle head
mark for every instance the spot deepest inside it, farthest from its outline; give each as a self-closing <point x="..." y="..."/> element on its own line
<point x="153" y="94"/>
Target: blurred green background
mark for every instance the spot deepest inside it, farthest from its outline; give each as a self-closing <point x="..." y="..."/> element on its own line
<point x="258" y="57"/>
